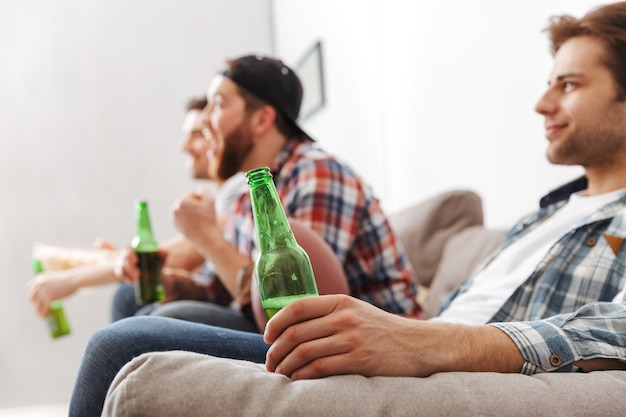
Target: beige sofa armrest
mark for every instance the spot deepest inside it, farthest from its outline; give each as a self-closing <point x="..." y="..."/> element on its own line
<point x="189" y="384"/>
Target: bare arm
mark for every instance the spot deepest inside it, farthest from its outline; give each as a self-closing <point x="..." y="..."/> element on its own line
<point x="56" y="285"/>
<point x="330" y="335"/>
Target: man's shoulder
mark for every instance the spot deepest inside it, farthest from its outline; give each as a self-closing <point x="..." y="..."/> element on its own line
<point x="309" y="168"/>
<point x="309" y="157"/>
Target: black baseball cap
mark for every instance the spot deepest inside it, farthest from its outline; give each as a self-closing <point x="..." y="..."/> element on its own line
<point x="271" y="80"/>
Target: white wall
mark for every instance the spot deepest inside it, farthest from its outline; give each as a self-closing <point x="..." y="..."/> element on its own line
<point x="426" y="96"/>
<point x="92" y="96"/>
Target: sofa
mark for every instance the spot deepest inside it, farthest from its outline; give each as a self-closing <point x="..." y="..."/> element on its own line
<point x="445" y="239"/>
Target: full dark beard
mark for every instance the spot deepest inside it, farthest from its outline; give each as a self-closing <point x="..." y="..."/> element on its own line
<point x="236" y="147"/>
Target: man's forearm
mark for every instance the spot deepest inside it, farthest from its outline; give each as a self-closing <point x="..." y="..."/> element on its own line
<point x="91" y="275"/>
<point x="495" y="351"/>
<point x="475" y="349"/>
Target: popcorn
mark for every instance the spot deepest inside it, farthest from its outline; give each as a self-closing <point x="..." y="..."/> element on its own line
<point x="55" y="258"/>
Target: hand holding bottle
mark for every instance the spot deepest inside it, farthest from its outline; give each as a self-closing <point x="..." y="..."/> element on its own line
<point x="57" y="321"/>
<point x="315" y="337"/>
<point x="177" y="282"/>
<point x="338" y="334"/>
<point x="47" y="287"/>
<point x="126" y="268"/>
<point x="148" y="260"/>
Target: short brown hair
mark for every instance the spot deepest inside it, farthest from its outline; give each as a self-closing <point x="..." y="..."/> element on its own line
<point x="607" y="23"/>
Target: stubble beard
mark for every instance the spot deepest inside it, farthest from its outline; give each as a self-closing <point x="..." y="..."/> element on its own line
<point x="593" y="146"/>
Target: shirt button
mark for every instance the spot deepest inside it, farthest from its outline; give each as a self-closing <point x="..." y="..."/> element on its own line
<point x="555" y="360"/>
<point x="592" y="241"/>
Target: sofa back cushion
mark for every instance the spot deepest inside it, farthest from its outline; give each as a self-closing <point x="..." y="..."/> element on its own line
<point x="461" y="255"/>
<point x="425" y="227"/>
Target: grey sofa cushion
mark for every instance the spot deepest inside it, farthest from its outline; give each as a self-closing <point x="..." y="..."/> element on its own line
<point x="189" y="384"/>
<point x="461" y="254"/>
<point x="424" y="228"/>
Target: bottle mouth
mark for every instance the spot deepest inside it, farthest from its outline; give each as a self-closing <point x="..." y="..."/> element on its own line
<point x="141" y="206"/>
<point x="258" y="175"/>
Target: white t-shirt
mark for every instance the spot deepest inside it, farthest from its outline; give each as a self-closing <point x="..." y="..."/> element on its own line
<point x="225" y="198"/>
<point x="496" y="283"/>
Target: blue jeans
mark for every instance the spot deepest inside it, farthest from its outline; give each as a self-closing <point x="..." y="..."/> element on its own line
<point x="111" y="347"/>
<point x="124" y="305"/>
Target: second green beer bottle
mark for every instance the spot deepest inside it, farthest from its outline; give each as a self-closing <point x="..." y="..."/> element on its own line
<point x="283" y="269"/>
<point x="148" y="288"/>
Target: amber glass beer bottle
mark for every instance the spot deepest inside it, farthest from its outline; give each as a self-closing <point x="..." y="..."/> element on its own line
<point x="283" y="270"/>
<point x="57" y="320"/>
<point x="148" y="288"/>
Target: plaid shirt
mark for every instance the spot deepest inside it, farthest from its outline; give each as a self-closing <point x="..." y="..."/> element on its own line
<point x="327" y="196"/>
<point x="563" y="311"/>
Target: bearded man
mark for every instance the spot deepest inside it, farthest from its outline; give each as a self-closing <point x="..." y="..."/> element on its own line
<point x="252" y="112"/>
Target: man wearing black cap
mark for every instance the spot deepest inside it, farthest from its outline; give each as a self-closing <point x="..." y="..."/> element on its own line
<point x="252" y="112"/>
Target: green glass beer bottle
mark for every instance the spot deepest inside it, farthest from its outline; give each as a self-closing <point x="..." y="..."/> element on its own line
<point x="57" y="321"/>
<point x="282" y="269"/>
<point x="148" y="288"/>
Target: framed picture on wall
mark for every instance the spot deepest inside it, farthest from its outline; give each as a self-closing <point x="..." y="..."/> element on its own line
<point x="310" y="69"/>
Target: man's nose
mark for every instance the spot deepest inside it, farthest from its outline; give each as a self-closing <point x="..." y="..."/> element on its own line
<point x="206" y="114"/>
<point x="547" y="104"/>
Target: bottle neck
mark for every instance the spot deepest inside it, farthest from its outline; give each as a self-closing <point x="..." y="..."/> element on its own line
<point x="144" y="239"/>
<point x="272" y="228"/>
<point x="37" y="266"/>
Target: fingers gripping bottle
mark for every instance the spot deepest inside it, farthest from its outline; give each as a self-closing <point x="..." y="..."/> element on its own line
<point x="57" y="321"/>
<point x="283" y="270"/>
<point x="148" y="288"/>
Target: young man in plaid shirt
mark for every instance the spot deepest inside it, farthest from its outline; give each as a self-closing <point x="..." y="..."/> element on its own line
<point x="251" y="114"/>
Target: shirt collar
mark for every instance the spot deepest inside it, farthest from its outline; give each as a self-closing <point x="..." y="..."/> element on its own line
<point x="285" y="153"/>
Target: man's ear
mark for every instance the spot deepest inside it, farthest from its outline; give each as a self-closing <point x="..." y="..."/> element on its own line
<point x="263" y="119"/>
